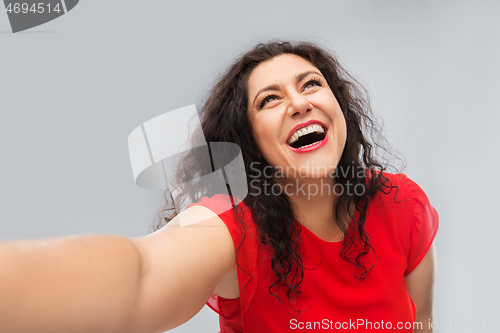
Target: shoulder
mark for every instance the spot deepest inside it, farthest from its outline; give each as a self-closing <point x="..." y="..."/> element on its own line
<point x="235" y="215"/>
<point x="401" y="190"/>
<point x="411" y="213"/>
<point x="396" y="180"/>
<point x="404" y="196"/>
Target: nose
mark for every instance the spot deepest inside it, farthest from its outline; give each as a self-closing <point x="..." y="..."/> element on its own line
<point x="298" y="105"/>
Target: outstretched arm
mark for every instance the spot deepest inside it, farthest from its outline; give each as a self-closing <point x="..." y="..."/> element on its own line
<point x="114" y="284"/>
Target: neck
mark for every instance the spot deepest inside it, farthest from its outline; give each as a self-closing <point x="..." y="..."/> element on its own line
<point x="312" y="202"/>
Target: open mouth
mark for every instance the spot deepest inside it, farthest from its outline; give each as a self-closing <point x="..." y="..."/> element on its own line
<point x="307" y="136"/>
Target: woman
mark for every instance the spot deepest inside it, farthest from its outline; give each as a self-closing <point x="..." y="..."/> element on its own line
<point x="325" y="239"/>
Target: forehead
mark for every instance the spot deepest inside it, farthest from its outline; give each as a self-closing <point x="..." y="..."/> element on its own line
<point x="278" y="70"/>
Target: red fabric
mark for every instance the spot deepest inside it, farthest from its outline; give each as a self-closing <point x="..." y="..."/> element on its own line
<point x="401" y="233"/>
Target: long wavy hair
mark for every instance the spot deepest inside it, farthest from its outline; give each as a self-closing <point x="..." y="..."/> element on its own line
<point x="225" y="118"/>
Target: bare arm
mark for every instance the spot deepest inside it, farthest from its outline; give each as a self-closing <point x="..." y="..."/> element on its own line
<point x="182" y="267"/>
<point x="113" y="284"/>
<point x="76" y="284"/>
<point x="420" y="284"/>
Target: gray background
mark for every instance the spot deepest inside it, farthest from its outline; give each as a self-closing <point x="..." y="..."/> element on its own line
<point x="73" y="89"/>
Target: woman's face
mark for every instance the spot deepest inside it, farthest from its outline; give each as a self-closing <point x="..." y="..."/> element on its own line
<point x="296" y="120"/>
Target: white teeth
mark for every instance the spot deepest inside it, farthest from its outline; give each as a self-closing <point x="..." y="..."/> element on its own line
<point x="304" y="131"/>
<point x="302" y="147"/>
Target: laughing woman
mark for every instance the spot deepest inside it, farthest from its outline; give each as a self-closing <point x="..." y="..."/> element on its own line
<point x="325" y="238"/>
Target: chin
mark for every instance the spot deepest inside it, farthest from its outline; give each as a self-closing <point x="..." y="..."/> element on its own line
<point x="314" y="170"/>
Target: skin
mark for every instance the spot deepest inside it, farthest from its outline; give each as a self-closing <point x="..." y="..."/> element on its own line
<point x="114" y="284"/>
<point x="420" y="283"/>
<point x="287" y="103"/>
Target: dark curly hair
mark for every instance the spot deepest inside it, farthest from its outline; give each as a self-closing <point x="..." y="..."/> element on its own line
<point x="225" y="119"/>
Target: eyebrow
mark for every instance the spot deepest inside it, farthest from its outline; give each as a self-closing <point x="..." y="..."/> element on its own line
<point x="298" y="78"/>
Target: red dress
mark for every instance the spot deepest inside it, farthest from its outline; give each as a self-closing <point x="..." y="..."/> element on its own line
<point x="332" y="298"/>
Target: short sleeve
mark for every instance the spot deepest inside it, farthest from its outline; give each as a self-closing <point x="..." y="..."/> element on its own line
<point x="425" y="225"/>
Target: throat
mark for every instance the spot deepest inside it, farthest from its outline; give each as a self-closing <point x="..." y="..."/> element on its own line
<point x="319" y="219"/>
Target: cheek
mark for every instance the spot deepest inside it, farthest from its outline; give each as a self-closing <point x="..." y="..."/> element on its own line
<point x="343" y="140"/>
<point x="263" y="130"/>
<point x="265" y="137"/>
<point x="258" y="136"/>
<point x="263" y="141"/>
<point x="341" y="120"/>
<point x="257" y="133"/>
<point x="340" y="127"/>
